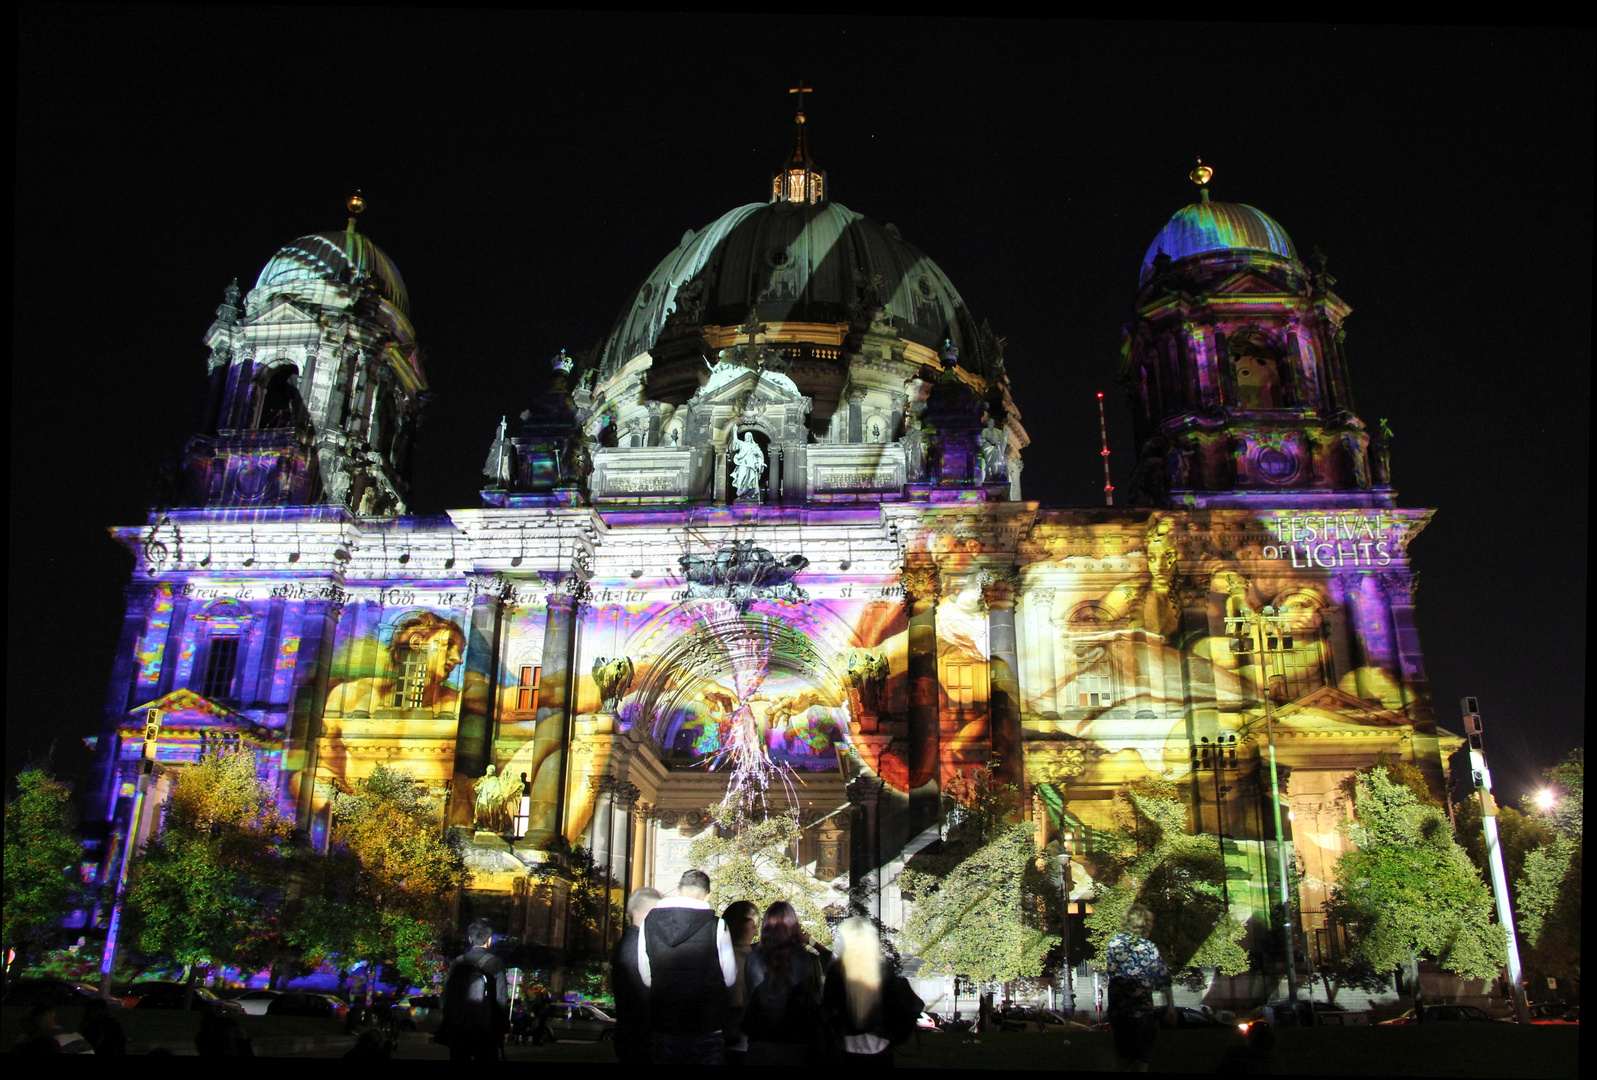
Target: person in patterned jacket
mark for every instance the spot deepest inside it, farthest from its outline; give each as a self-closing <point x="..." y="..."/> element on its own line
<point x="1136" y="971"/>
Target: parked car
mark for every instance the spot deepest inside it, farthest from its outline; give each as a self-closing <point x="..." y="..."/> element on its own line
<point x="256" y="1001"/>
<point x="1439" y="1014"/>
<point x="1549" y="1012"/>
<point x="417" y="1012"/>
<point x="1195" y="1018"/>
<point x="173" y="995"/>
<point x="306" y="1003"/>
<point x="53" y="992"/>
<point x="565" y="1020"/>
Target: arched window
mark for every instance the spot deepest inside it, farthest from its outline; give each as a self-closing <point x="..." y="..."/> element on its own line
<point x="279" y="399"/>
<point x="410" y="688"/>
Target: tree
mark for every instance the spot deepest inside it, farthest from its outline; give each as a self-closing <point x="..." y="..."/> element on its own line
<point x="389" y="873"/>
<point x="1518" y="835"/>
<point x="1149" y="858"/>
<point x="977" y="901"/>
<point x="1547" y="889"/>
<point x="749" y="858"/>
<point x="1408" y="890"/>
<point x="41" y="856"/>
<point x="209" y="887"/>
<point x="1403" y="773"/>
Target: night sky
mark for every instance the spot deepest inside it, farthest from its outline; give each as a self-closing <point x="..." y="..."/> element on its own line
<point x="526" y="171"/>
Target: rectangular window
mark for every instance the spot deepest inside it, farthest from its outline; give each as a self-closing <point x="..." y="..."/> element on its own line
<point x="412" y="688"/>
<point x="1094" y="691"/>
<point x="527" y="690"/>
<point x="961" y="685"/>
<point x="220" y="666"/>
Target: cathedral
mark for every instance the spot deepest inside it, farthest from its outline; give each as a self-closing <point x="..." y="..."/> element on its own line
<point x="774" y="525"/>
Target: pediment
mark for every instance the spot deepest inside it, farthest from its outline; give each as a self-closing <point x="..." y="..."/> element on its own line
<point x="184" y="710"/>
<point x="280" y="310"/>
<point x="1249" y="281"/>
<point x="767" y="387"/>
<point x="1329" y="706"/>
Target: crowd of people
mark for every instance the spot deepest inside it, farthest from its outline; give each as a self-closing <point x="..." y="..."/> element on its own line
<point x="693" y="987"/>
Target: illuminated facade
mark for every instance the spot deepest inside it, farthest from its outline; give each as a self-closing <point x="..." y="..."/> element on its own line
<point x="776" y="519"/>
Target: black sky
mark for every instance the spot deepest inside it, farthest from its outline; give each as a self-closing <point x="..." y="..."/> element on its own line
<point x="526" y="171"/>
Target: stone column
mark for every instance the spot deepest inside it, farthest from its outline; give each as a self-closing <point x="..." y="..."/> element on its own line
<point x="474" y="735"/>
<point x="551" y="738"/>
<point x="172" y="646"/>
<point x="314" y="662"/>
<point x="856" y="403"/>
<point x="1040" y="617"/>
<point x="720" y="473"/>
<point x="921" y="589"/>
<point x="773" y="483"/>
<point x="864" y="849"/>
<point x="622" y="799"/>
<point x="998" y="588"/>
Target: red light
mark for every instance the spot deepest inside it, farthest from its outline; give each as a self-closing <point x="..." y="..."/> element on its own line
<point x="1100" y="393"/>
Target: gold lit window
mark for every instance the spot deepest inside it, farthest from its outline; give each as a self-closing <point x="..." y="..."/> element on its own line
<point x="527" y="688"/>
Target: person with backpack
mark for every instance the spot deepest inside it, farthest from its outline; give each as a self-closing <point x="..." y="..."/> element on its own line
<point x="476" y="1002"/>
<point x="870" y="1008"/>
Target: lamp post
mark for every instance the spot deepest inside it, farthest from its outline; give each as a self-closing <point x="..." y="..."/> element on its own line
<point x="1066" y="851"/>
<point x="1267" y="633"/>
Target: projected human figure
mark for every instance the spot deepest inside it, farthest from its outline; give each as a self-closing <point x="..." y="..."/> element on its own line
<point x="748" y="463"/>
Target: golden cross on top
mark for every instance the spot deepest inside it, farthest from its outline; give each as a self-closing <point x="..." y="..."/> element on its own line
<point x="801" y="90"/>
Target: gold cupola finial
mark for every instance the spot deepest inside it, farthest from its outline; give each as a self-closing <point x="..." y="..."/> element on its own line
<point x="799" y="181"/>
<point x="1201" y="176"/>
<point x="355" y="204"/>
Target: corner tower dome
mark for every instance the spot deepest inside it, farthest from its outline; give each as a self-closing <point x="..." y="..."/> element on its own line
<point x="1206" y="227"/>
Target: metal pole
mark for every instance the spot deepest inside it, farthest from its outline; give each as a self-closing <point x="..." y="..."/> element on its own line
<point x="1494" y="853"/>
<point x="1259" y="624"/>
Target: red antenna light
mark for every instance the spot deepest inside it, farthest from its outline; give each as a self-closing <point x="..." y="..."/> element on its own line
<point x="1103" y="432"/>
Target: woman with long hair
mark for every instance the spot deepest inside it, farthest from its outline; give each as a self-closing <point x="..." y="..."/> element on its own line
<point x="855" y="994"/>
<point x="782" y="986"/>
<point x="1136" y="970"/>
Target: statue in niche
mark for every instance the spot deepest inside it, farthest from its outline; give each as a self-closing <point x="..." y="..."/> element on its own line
<point x="1381" y="454"/>
<point x="994" y="442"/>
<point x="489" y="807"/>
<point x="866" y="670"/>
<point x="748" y="465"/>
<point x="1357" y="462"/>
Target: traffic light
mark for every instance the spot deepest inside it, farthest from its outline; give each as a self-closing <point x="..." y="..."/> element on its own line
<point x="1472" y="722"/>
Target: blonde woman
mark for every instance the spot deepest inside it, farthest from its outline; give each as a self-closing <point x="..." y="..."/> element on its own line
<point x="869" y="1007"/>
<point x="1136" y="970"/>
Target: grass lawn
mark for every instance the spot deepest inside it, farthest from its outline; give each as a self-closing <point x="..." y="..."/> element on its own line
<point x="149" y="1027"/>
<point x="1489" y="1050"/>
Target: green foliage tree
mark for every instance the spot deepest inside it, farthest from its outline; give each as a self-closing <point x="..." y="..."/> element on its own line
<point x="1548" y="887"/>
<point x="1519" y="834"/>
<point x="1403" y="773"/>
<point x="1149" y="858"/>
<point x="41" y="854"/>
<point x="382" y="892"/>
<point x="210" y="885"/>
<point x="751" y="858"/>
<point x="977" y="901"/>
<point x="1408" y="890"/>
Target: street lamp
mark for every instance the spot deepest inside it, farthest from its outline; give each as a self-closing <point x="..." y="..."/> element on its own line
<point x="1268" y="633"/>
<point x="1545" y="799"/>
<point x="1066" y="850"/>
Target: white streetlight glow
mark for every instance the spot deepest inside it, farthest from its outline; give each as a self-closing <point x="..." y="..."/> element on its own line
<point x="1545" y="799"/>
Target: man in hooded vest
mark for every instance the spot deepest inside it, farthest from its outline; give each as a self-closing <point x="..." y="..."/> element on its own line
<point x="686" y="960"/>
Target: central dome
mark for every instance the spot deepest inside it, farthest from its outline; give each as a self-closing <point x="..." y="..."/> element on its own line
<point x="793" y="262"/>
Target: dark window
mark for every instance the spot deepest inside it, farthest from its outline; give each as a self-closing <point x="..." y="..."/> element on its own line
<point x="220" y="665"/>
<point x="411" y="692"/>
